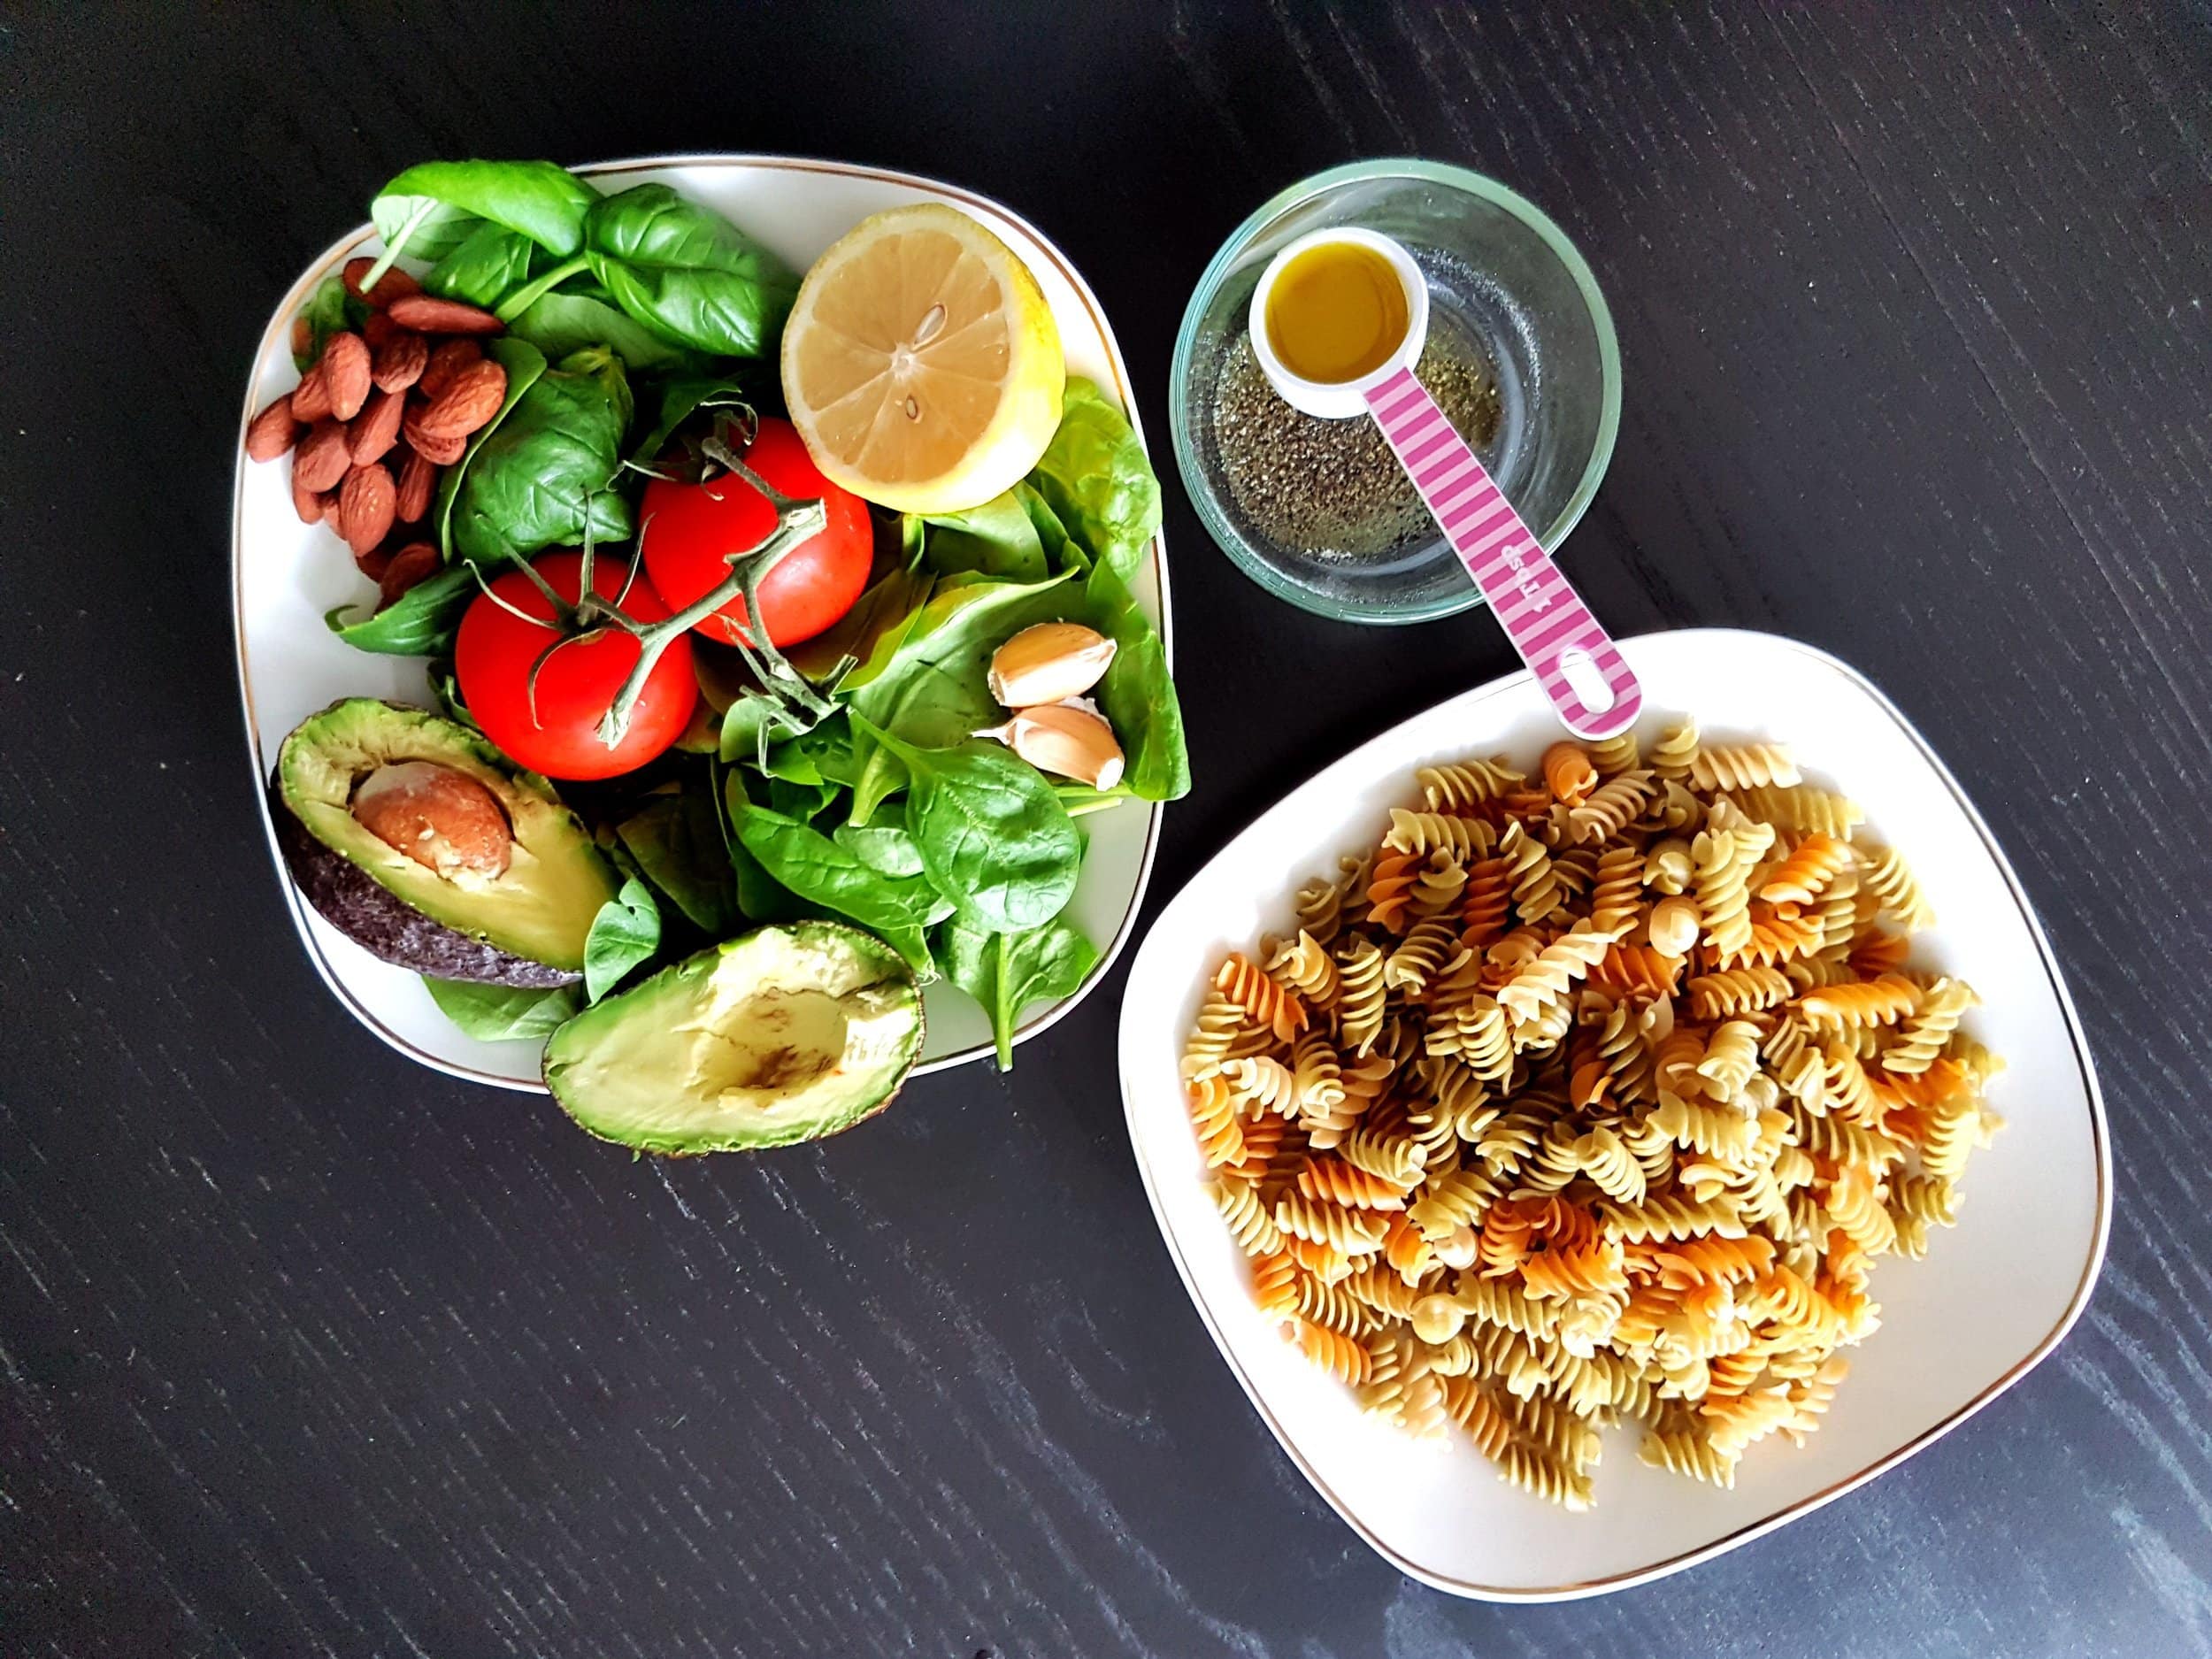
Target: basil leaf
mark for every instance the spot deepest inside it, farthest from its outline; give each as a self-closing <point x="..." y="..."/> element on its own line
<point x="544" y="474"/>
<point x="677" y="840"/>
<point x="422" y="622"/>
<point x="997" y="538"/>
<point x="687" y="274"/>
<point x="429" y="209"/>
<point x="525" y="364"/>
<point x="559" y="323"/>
<point x="488" y="263"/>
<point x="627" y="932"/>
<point x="1007" y="973"/>
<point x="992" y="835"/>
<point x="1095" y="477"/>
<point x="502" y="1013"/>
<point x="900" y="909"/>
<point x="1138" y="693"/>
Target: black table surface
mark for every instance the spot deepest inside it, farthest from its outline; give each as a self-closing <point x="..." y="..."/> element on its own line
<point x="306" y="1350"/>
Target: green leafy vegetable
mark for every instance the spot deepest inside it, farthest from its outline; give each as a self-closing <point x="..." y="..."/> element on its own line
<point x="992" y="834"/>
<point x="901" y="909"/>
<point x="1095" y="477"/>
<point x="882" y="846"/>
<point x="430" y="210"/>
<point x="677" y="840"/>
<point x="1052" y="535"/>
<point x="501" y="1013"/>
<point x="559" y="323"/>
<point x="997" y="538"/>
<point x="490" y="262"/>
<point x="524" y="363"/>
<point x="544" y="474"/>
<point x="870" y="635"/>
<point x="329" y="311"/>
<point x="759" y="895"/>
<point x="626" y="931"/>
<point x="420" y="623"/>
<point x="687" y="273"/>
<point x="1138" y="693"/>
<point x="681" y="399"/>
<point x="1007" y="973"/>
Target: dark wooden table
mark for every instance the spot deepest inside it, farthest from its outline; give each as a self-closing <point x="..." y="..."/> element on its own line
<point x="304" y="1350"/>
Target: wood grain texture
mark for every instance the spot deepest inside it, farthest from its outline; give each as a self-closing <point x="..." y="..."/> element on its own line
<point x="303" y="1350"/>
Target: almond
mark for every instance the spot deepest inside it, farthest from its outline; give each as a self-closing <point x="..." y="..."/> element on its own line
<point x="272" y="431"/>
<point x="408" y="566"/>
<point x="374" y="563"/>
<point x="447" y="361"/>
<point x="434" y="315"/>
<point x="417" y="478"/>
<point x="323" y="457"/>
<point x="472" y="398"/>
<point x="394" y="283"/>
<point x="310" y="398"/>
<point x="306" y="503"/>
<point x="400" y="361"/>
<point x="441" y="451"/>
<point x="345" y="367"/>
<point x="367" y="503"/>
<point x="376" y="429"/>
<point x="303" y="336"/>
<point x="378" y="328"/>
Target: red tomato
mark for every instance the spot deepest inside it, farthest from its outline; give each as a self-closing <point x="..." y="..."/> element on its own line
<point x="492" y="656"/>
<point x="691" y="529"/>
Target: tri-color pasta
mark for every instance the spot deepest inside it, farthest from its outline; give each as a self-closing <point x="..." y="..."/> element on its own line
<point x="1589" y="1096"/>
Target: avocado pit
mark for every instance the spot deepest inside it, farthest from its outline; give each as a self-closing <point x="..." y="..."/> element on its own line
<point x="444" y="820"/>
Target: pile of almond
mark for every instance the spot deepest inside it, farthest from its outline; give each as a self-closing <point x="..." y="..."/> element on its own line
<point x="377" y="416"/>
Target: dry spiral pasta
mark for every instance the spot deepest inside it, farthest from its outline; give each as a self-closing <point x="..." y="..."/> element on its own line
<point x="1509" y="1168"/>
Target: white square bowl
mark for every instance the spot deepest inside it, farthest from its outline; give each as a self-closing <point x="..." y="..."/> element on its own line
<point x="1993" y="1296"/>
<point x="285" y="575"/>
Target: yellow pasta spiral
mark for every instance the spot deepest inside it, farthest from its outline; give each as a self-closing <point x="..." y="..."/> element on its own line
<point x="1743" y="767"/>
<point x="1303" y="966"/>
<point x="1466" y="783"/>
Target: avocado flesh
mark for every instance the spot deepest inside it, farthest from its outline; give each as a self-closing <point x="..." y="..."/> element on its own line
<point x="526" y="925"/>
<point x="785" y="1033"/>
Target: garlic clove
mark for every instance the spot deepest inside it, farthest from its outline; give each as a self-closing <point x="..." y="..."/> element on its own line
<point x="1064" y="739"/>
<point x="1049" y="663"/>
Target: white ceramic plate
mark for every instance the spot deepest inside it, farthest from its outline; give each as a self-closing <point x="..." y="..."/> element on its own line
<point x="286" y="576"/>
<point x="1991" y="1299"/>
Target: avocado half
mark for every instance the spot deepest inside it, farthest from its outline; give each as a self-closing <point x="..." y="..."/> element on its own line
<point x="785" y="1033"/>
<point x="525" y="925"/>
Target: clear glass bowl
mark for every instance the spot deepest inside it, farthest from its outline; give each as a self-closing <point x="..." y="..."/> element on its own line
<point x="1507" y="290"/>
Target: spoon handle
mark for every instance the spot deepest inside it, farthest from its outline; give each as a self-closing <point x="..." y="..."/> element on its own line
<point x="1574" y="660"/>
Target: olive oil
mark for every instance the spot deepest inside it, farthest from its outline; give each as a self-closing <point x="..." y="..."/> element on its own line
<point x="1337" y="313"/>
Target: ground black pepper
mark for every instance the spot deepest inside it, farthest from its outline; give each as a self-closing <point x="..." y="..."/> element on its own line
<point x="1333" y="486"/>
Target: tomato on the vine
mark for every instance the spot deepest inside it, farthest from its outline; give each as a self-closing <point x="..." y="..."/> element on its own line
<point x="556" y="731"/>
<point x="690" y="530"/>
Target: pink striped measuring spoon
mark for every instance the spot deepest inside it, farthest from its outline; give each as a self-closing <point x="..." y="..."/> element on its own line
<point x="1592" y="689"/>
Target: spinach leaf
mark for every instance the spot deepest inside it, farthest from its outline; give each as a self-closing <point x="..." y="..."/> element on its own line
<point x="1052" y="535"/>
<point x="901" y="909"/>
<point x="445" y="686"/>
<point x="677" y="840"/>
<point x="544" y="474"/>
<point x="997" y="538"/>
<point x="1095" y="477"/>
<point x="490" y="262"/>
<point x="559" y="323"/>
<point x="502" y="1013"/>
<point x="749" y="725"/>
<point x="801" y="802"/>
<point x="992" y="835"/>
<point x="429" y="209"/>
<point x="329" y="310"/>
<point x="1138" y="695"/>
<point x="687" y="273"/>
<point x="931" y="688"/>
<point x="626" y="931"/>
<point x="759" y="895"/>
<point x="883" y="845"/>
<point x="524" y="363"/>
<point x="869" y="633"/>
<point x="1006" y="972"/>
<point x="823" y="756"/>
<point x="422" y="622"/>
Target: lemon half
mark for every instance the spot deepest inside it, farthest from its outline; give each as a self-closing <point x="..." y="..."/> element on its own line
<point x="921" y="363"/>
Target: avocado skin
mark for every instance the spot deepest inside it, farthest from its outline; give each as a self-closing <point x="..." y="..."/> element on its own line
<point x="389" y="927"/>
